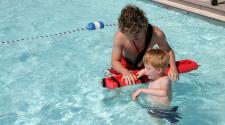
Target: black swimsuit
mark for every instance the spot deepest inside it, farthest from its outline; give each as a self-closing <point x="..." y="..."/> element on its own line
<point x="134" y="64"/>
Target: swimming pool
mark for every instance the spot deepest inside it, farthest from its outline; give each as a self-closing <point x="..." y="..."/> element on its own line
<point x="56" y="80"/>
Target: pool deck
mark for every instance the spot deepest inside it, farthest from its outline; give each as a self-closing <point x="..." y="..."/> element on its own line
<point x="201" y="7"/>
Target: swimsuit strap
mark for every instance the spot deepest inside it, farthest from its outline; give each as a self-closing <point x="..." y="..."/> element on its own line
<point x="135" y="46"/>
<point x="147" y="42"/>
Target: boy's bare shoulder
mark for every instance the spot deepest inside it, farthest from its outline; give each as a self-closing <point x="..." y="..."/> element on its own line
<point x="166" y="80"/>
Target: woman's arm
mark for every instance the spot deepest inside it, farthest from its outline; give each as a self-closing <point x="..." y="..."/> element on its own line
<point x="117" y="51"/>
<point x="163" y="44"/>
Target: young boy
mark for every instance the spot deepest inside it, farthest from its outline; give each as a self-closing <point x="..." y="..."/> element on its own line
<point x="160" y="87"/>
<point x="159" y="91"/>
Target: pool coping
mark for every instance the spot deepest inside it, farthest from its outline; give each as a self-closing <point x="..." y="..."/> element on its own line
<point x="195" y="8"/>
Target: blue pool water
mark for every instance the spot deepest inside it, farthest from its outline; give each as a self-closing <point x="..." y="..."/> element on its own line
<point x="56" y="80"/>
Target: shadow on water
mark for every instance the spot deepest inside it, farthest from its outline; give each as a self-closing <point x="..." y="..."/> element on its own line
<point x="115" y="96"/>
<point x="169" y="113"/>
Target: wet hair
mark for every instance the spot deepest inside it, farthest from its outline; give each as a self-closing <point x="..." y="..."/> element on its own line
<point x="132" y="20"/>
<point x="157" y="58"/>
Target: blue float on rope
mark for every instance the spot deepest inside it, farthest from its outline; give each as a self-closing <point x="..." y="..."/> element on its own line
<point x="95" y="25"/>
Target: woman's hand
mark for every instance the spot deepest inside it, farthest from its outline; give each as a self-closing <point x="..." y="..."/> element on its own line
<point x="173" y="74"/>
<point x="129" y="78"/>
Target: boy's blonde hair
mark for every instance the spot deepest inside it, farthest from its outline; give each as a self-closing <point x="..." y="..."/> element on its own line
<point x="157" y="58"/>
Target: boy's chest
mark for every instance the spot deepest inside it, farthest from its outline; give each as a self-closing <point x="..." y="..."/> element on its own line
<point x="154" y="84"/>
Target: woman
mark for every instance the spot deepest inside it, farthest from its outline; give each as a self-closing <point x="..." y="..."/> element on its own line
<point x="134" y="37"/>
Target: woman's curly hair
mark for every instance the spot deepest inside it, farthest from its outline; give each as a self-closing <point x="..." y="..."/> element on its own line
<point x="132" y="20"/>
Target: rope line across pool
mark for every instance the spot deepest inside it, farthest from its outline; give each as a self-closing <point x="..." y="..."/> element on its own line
<point x="51" y="35"/>
<point x="93" y="26"/>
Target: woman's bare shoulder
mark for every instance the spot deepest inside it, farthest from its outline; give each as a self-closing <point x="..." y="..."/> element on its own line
<point x="119" y="37"/>
<point x="119" y="34"/>
<point x="157" y="31"/>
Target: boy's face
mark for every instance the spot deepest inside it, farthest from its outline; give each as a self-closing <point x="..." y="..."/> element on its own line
<point x="151" y="72"/>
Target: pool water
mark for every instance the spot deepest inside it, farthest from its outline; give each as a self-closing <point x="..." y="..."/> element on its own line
<point x="57" y="80"/>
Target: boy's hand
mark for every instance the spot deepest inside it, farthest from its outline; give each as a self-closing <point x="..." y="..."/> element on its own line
<point x="136" y="94"/>
<point x="141" y="73"/>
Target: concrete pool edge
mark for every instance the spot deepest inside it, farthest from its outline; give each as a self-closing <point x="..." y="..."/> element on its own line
<point x="194" y="8"/>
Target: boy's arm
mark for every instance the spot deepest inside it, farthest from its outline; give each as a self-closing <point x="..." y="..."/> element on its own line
<point x="162" y="92"/>
<point x="151" y="91"/>
<point x="141" y="72"/>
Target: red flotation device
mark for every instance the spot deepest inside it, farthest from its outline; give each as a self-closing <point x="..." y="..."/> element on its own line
<point x="112" y="82"/>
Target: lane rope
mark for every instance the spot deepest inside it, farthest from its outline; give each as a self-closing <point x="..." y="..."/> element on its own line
<point x="55" y="34"/>
<point x="90" y="26"/>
